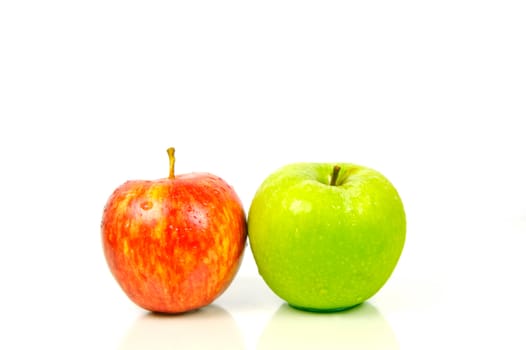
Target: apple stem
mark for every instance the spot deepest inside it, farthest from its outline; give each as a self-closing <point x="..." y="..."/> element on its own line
<point x="334" y="177"/>
<point x="171" y="156"/>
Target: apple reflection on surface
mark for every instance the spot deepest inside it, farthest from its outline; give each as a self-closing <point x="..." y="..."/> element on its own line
<point x="361" y="327"/>
<point x="211" y="327"/>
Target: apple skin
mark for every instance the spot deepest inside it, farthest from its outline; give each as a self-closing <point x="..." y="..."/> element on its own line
<point x="174" y="244"/>
<point x="321" y="247"/>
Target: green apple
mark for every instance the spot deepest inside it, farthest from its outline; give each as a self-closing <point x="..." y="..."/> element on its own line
<point x="326" y="237"/>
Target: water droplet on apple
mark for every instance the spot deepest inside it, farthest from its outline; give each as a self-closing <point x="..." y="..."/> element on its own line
<point x="146" y="205"/>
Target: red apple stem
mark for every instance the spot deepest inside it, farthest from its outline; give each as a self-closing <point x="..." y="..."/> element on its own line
<point x="171" y="156"/>
<point x="335" y="173"/>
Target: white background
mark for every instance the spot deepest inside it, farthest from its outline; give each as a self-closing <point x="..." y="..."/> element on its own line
<point x="432" y="94"/>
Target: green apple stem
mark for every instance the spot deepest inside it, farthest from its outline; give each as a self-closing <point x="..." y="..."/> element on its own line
<point x="171" y="156"/>
<point x="335" y="173"/>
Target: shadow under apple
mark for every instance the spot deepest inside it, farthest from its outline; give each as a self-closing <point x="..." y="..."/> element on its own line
<point x="361" y="327"/>
<point x="210" y="327"/>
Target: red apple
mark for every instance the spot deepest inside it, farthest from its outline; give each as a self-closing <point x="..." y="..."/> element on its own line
<point x="174" y="244"/>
